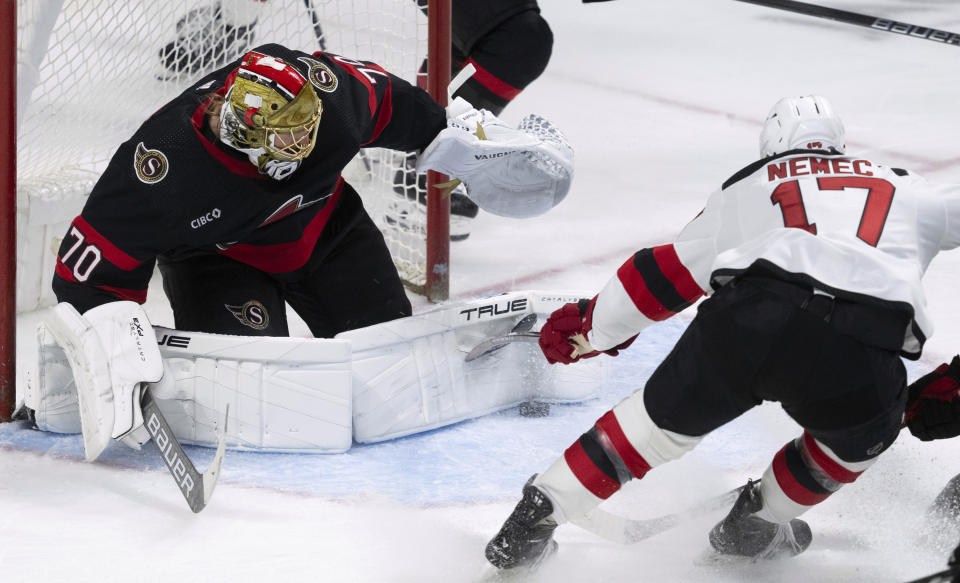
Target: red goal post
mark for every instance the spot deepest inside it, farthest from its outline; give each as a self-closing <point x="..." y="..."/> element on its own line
<point x="8" y="222"/>
<point x="64" y="55"/>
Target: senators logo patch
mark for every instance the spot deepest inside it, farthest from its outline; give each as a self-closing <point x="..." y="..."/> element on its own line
<point x="151" y="165"/>
<point x="320" y="75"/>
<point x="252" y="314"/>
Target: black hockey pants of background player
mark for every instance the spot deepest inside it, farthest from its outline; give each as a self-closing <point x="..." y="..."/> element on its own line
<point x="507" y="41"/>
<point x="509" y="44"/>
<point x="212" y="293"/>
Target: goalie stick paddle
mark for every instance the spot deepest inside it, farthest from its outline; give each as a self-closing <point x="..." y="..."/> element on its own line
<point x="196" y="488"/>
<point x="882" y="24"/>
<point x="623" y="530"/>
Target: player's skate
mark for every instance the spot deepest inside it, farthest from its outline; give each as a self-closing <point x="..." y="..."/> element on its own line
<point x="741" y="533"/>
<point x="205" y="41"/>
<point x="462" y="212"/>
<point x="526" y="538"/>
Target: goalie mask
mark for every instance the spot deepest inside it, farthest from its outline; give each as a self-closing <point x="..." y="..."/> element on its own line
<point x="802" y="122"/>
<point x="271" y="113"/>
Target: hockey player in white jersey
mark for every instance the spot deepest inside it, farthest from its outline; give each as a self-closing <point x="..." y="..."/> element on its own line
<point x="812" y="260"/>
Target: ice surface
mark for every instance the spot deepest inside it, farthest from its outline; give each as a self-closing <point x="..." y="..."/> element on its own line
<point x="662" y="101"/>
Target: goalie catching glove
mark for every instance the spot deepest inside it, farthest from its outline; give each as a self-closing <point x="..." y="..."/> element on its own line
<point x="512" y="172"/>
<point x="933" y="403"/>
<point x="564" y="339"/>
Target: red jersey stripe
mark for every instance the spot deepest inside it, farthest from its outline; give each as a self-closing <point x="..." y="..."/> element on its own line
<point x="386" y="112"/>
<point x="636" y="288"/>
<point x="352" y="69"/>
<point x="286" y="257"/>
<point x="134" y="295"/>
<point x="677" y="272"/>
<point x="111" y="252"/>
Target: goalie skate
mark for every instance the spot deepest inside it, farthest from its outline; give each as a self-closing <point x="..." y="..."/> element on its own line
<point x="409" y="211"/>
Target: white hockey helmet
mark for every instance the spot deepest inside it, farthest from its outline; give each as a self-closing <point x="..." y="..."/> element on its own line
<point x="802" y="122"/>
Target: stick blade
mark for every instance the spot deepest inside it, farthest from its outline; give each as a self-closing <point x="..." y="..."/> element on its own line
<point x="212" y="474"/>
<point x="493" y="344"/>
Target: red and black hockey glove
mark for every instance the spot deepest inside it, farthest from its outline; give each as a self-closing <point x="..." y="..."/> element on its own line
<point x="563" y="337"/>
<point x="933" y="403"/>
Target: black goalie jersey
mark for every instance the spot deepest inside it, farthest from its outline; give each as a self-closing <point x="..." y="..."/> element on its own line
<point x="174" y="190"/>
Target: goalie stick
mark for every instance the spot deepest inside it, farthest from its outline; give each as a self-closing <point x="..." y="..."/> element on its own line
<point x="882" y="24"/>
<point x="623" y="530"/>
<point x="196" y="488"/>
<point x="945" y="576"/>
<point x="519" y="333"/>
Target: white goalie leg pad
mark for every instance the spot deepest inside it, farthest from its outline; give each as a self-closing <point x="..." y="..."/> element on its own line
<point x="285" y="394"/>
<point x="513" y="172"/>
<point x="91" y="373"/>
<point x="50" y="390"/>
<point x="410" y="375"/>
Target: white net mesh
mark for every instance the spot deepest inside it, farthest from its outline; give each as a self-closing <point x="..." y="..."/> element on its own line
<point x="90" y="71"/>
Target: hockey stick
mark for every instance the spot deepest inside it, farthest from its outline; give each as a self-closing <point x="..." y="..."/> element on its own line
<point x="494" y="344"/>
<point x="883" y="24"/>
<point x="196" y="488"/>
<point x="322" y="44"/>
<point x="317" y="28"/>
<point x="520" y="333"/>
<point x="623" y="530"/>
<point x="945" y="576"/>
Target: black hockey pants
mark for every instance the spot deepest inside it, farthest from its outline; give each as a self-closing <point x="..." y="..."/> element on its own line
<point x="833" y="365"/>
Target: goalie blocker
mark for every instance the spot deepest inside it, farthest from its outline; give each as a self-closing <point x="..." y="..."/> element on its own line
<point x="320" y="395"/>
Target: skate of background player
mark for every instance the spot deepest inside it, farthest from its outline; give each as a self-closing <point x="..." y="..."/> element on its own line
<point x="658" y="99"/>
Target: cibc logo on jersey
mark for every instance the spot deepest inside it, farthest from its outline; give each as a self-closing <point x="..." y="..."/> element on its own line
<point x="150" y="165"/>
<point x="206" y="218"/>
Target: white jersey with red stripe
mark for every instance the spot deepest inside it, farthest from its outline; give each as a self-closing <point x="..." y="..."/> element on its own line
<point x="846" y="225"/>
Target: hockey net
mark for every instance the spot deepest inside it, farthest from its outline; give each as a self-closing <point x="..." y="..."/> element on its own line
<point x="90" y="71"/>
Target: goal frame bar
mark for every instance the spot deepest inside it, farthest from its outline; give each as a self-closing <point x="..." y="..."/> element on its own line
<point x="8" y="222"/>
